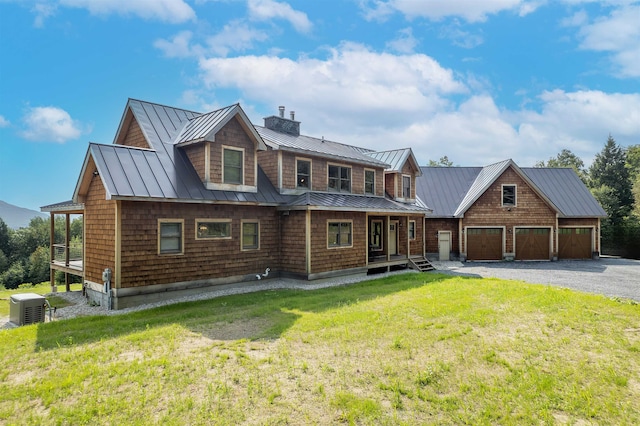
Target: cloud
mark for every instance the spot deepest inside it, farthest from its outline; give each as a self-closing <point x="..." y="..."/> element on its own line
<point x="178" y="46"/>
<point x="436" y="10"/>
<point x="50" y="124"/>
<point x="236" y="36"/>
<point x="351" y="81"/>
<point x="264" y="10"/>
<point x="172" y="11"/>
<point x="42" y="11"/>
<point x="4" y="122"/>
<point x="618" y="33"/>
<point x="405" y="42"/>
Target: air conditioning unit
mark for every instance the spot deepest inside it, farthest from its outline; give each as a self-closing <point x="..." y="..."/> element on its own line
<point x="26" y="308"/>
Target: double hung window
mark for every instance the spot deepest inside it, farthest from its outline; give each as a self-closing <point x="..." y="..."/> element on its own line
<point x="339" y="234"/>
<point x="339" y="178"/>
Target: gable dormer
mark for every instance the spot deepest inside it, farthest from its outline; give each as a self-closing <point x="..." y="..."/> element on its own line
<point x="130" y="133"/>
<point x="400" y="176"/>
<point x="222" y="146"/>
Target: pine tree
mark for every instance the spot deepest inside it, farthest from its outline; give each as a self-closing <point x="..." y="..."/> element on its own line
<point x="609" y="172"/>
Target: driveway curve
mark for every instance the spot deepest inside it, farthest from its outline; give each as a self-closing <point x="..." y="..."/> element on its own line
<point x="609" y="276"/>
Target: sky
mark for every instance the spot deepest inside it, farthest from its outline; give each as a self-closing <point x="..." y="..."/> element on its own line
<point x="476" y="81"/>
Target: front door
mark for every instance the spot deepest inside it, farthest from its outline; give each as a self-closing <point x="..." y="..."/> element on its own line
<point x="444" y="245"/>
<point x="393" y="237"/>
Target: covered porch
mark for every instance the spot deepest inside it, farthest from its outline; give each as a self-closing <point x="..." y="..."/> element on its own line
<point x="66" y="253"/>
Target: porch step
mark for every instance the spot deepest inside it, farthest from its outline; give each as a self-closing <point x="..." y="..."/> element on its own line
<point x="421" y="264"/>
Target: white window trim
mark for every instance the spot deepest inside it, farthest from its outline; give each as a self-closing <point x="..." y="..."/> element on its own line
<point x="515" y="195"/>
<point x="365" y="181"/>
<point x="233" y="148"/>
<point x="310" y="173"/>
<point x="181" y="222"/>
<point x="350" y="177"/>
<point x="350" y="222"/>
<point x="197" y="221"/>
<point x="242" y="222"/>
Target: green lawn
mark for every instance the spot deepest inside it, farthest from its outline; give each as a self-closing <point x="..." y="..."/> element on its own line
<point x="408" y="349"/>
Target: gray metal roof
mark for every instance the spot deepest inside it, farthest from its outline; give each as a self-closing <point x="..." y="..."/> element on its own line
<point x="135" y="173"/>
<point x="204" y="126"/>
<point x="64" y="206"/>
<point x="396" y="158"/>
<point x="314" y="146"/>
<point x="350" y="202"/>
<point x="565" y="189"/>
<point x="450" y="191"/>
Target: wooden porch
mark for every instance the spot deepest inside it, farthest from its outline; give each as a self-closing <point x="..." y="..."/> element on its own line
<point x="67" y="256"/>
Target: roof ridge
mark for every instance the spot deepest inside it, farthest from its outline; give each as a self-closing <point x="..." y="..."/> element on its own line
<point x="164" y="106"/>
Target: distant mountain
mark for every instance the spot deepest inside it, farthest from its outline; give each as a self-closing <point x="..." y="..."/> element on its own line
<point x="17" y="217"/>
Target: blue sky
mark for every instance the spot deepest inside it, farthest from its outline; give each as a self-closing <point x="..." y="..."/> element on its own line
<point x="477" y="81"/>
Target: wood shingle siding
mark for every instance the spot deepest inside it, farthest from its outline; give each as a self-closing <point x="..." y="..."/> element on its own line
<point x="293" y="249"/>
<point x="141" y="265"/>
<point x="134" y="136"/>
<point x="196" y="155"/>
<point x="99" y="231"/>
<point x="324" y="259"/>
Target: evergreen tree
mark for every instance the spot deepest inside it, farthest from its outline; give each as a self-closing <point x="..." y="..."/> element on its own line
<point x="609" y="170"/>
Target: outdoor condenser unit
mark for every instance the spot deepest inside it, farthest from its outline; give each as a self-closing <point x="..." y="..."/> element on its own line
<point x="26" y="308"/>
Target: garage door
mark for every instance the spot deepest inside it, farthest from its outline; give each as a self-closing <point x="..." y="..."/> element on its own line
<point x="532" y="243"/>
<point x="484" y="243"/>
<point x="574" y="243"/>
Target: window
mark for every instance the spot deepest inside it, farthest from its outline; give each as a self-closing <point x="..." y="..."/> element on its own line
<point x="412" y="229"/>
<point x="232" y="164"/>
<point x="369" y="181"/>
<point x="339" y="178"/>
<point x="375" y="240"/>
<point x="339" y="234"/>
<point x="170" y="236"/>
<point x="508" y="195"/>
<point x="212" y="228"/>
<point x="303" y="176"/>
<point x="406" y="186"/>
<point x="250" y="235"/>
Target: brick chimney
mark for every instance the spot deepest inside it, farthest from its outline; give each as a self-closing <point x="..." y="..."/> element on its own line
<point x="281" y="124"/>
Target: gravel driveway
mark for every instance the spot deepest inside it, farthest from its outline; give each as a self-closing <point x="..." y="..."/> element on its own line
<point x="609" y="276"/>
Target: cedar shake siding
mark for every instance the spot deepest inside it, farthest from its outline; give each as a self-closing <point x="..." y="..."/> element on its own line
<point x="293" y="249"/>
<point x="99" y="232"/>
<point x="268" y="161"/>
<point x="202" y="259"/>
<point x="416" y="245"/>
<point x="134" y="136"/>
<point x="431" y="235"/>
<point x="233" y="135"/>
<point x="390" y="184"/>
<point x="530" y="209"/>
<point x="326" y="259"/>
<point x="196" y="155"/>
<point x="408" y="170"/>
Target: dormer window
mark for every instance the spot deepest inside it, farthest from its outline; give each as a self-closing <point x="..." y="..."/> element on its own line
<point x="406" y="187"/>
<point x="508" y="195"/>
<point x="232" y="164"/>
<point x="370" y="182"/>
<point x="339" y="178"/>
<point x="303" y="174"/>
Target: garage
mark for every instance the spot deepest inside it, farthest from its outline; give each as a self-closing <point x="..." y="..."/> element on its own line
<point x="574" y="243"/>
<point x="532" y="243"/>
<point x="484" y="243"/>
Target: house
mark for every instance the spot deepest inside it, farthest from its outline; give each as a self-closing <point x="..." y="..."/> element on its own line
<point x="504" y="212"/>
<point x="182" y="201"/>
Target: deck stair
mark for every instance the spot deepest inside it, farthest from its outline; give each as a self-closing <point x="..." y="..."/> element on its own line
<point x="421" y="264"/>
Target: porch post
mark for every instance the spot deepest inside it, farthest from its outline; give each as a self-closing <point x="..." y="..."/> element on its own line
<point x="408" y="241"/>
<point x="67" y="244"/>
<point x="52" y="238"/>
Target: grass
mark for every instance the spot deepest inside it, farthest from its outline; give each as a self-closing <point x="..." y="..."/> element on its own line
<point x="42" y="288"/>
<point x="407" y="349"/>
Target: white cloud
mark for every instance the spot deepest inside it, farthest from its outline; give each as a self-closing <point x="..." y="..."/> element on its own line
<point x="172" y="11"/>
<point x="381" y="101"/>
<point x="4" y="122"/>
<point x="236" y="36"/>
<point x="469" y="10"/>
<point x="50" y="124"/>
<point x="178" y="46"/>
<point x="42" y="11"/>
<point x="405" y="42"/>
<point x="460" y="37"/>
<point x="618" y="33"/>
<point x="263" y="10"/>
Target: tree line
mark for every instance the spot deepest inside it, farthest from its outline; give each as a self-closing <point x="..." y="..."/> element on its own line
<point x="25" y="253"/>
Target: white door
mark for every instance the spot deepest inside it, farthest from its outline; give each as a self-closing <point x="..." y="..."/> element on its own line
<point x="444" y="245"/>
<point x="393" y="237"/>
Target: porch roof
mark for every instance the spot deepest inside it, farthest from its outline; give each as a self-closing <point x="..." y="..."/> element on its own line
<point x="350" y="202"/>
<point x="64" y="207"/>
